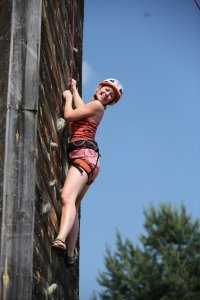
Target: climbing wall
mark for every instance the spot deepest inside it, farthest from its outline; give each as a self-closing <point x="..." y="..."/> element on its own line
<point x="4" y="63"/>
<point x="41" y="47"/>
<point x="56" y="63"/>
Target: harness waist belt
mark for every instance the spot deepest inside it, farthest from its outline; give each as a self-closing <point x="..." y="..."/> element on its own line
<point x="82" y="144"/>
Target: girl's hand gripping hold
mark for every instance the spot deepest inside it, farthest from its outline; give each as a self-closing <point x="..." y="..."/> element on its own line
<point x="67" y="95"/>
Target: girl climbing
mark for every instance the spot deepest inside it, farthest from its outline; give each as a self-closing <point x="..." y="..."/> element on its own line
<point x="83" y="157"/>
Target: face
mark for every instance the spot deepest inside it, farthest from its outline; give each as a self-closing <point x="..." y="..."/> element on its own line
<point x="105" y="94"/>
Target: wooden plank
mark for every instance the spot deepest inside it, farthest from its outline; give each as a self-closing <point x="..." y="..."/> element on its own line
<point x="54" y="73"/>
<point x="28" y="126"/>
<point x="19" y="166"/>
<point x="48" y="267"/>
<point x="5" y="21"/>
<point x="25" y="54"/>
<point x="44" y="197"/>
<point x="18" y="206"/>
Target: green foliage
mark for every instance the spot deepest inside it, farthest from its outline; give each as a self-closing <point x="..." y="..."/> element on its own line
<point x="165" y="267"/>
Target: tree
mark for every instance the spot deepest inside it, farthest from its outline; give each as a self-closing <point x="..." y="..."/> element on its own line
<point x="166" y="265"/>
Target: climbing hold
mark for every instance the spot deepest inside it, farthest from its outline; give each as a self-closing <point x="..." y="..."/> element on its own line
<point x="46" y="209"/>
<point x="53" y="146"/>
<point x="52" y="182"/>
<point x="60" y="124"/>
<point x="50" y="290"/>
<point x="75" y="50"/>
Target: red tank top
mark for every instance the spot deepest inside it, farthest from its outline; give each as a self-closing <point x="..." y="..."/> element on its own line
<point x="83" y="130"/>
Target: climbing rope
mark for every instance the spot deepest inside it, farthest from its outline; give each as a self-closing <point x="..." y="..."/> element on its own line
<point x="72" y="42"/>
<point x="71" y="58"/>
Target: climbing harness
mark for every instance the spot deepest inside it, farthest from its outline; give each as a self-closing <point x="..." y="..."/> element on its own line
<point x="83" y="144"/>
<point x="79" y="163"/>
<point x="83" y="136"/>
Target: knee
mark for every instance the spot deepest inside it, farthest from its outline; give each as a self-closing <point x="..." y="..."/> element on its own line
<point x="66" y="198"/>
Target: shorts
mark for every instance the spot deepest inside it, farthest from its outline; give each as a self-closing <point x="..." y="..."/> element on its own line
<point x="91" y="158"/>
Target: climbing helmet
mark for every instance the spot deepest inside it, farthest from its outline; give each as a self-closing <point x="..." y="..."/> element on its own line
<point x="116" y="85"/>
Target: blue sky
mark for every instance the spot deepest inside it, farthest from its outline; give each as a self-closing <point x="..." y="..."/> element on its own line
<point x="149" y="142"/>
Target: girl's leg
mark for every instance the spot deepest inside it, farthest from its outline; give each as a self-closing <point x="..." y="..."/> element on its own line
<point x="74" y="184"/>
<point x="73" y="234"/>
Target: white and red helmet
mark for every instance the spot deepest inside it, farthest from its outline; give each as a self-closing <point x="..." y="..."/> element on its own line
<point x="116" y="85"/>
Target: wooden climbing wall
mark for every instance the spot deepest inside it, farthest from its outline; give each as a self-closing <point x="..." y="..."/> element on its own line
<point x="4" y="64"/>
<point x="36" y="40"/>
<point x="51" y="163"/>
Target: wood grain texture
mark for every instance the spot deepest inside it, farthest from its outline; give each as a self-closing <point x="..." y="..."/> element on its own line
<point x="20" y="112"/>
<point x="5" y="27"/>
<point x="35" y="48"/>
<point x="51" y="165"/>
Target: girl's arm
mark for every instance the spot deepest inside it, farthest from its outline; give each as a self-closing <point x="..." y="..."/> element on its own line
<point x="83" y="111"/>
<point x="77" y="99"/>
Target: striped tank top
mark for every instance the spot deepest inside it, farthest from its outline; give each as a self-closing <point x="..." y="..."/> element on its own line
<point x="83" y="130"/>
